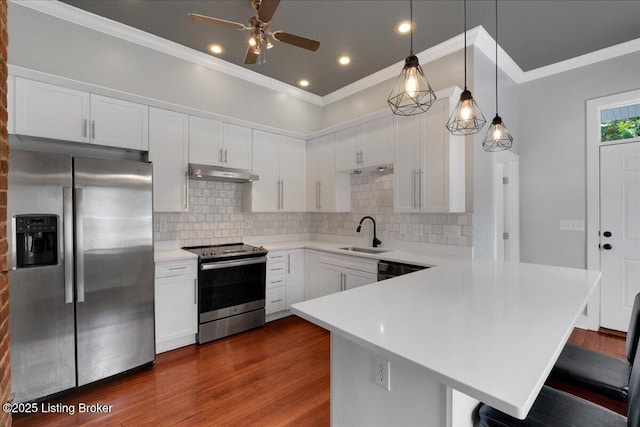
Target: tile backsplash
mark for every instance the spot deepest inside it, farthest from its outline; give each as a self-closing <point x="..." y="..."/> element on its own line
<point x="215" y="217"/>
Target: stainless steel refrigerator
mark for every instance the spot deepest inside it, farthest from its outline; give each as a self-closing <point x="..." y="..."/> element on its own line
<point x="81" y="281"/>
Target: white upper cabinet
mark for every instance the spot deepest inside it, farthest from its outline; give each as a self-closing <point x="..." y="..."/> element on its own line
<point x="118" y="123"/>
<point x="293" y="174"/>
<point x="236" y="143"/>
<point x="366" y="145"/>
<point x="348" y="143"/>
<point x="215" y="143"/>
<point x="168" y="150"/>
<point x="56" y="112"/>
<point x="205" y="141"/>
<point x="377" y="142"/>
<point x="429" y="166"/>
<point x="51" y="111"/>
<point x="280" y="163"/>
<point x="326" y="190"/>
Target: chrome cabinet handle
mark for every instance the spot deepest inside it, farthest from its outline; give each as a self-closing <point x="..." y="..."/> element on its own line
<point x="84" y="128"/>
<point x="288" y="263"/>
<point x="93" y="129"/>
<point x="225" y="156"/>
<point x="79" y="247"/>
<point x="195" y="291"/>
<point x="67" y="217"/>
<point x="420" y="188"/>
<point x="277" y="300"/>
<point x="186" y="190"/>
<point x="282" y="194"/>
<point x="415" y="188"/>
<point x="221" y="156"/>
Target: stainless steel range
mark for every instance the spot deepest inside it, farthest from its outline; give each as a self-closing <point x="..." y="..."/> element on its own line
<point x="231" y="289"/>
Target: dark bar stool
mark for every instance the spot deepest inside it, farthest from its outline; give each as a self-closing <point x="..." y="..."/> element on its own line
<point x="555" y="408"/>
<point x="597" y="372"/>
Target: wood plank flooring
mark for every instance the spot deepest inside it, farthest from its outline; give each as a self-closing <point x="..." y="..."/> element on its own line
<point x="273" y="376"/>
<point x="276" y="375"/>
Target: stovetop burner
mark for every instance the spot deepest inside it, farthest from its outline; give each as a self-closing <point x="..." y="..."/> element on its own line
<point x="226" y="251"/>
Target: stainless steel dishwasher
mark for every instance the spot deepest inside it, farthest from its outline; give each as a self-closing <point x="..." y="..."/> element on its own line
<point x="389" y="269"/>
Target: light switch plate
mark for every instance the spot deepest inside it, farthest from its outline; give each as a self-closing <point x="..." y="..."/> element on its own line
<point x="571" y="225"/>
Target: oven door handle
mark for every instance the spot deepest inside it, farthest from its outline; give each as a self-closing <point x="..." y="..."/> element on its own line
<point x="232" y="263"/>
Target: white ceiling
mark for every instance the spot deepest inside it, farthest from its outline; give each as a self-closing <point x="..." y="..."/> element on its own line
<point x="534" y="33"/>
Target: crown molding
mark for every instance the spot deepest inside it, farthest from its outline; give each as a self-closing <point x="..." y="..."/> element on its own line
<point x="116" y="29"/>
<point x="583" y="60"/>
<point x="477" y="37"/>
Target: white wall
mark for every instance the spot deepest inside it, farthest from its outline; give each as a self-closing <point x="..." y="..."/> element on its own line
<point x="552" y="132"/>
<point x="484" y="92"/>
<point x="441" y="73"/>
<point x="41" y="42"/>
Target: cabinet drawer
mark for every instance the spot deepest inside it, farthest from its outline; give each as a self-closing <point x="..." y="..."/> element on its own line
<point x="176" y="268"/>
<point x="355" y="263"/>
<point x="276" y="281"/>
<point x="276" y="300"/>
<point x="276" y="268"/>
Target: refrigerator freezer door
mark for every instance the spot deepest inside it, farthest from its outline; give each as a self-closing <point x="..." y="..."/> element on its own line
<point x="41" y="315"/>
<point x="114" y="231"/>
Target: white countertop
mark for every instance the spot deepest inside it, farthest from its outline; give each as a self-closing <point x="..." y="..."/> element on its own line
<point x="172" y="255"/>
<point x="491" y="330"/>
<point x="389" y="254"/>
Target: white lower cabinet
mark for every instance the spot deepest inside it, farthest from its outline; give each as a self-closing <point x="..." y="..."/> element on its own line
<point x="176" y="306"/>
<point x="328" y="273"/>
<point x="285" y="280"/>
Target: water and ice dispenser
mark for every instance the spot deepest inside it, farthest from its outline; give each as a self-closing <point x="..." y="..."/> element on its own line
<point x="36" y="240"/>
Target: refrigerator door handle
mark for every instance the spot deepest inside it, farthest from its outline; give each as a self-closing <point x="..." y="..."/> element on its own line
<point x="79" y="247"/>
<point x="67" y="227"/>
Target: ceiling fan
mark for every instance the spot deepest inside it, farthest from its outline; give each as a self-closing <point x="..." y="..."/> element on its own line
<point x="261" y="35"/>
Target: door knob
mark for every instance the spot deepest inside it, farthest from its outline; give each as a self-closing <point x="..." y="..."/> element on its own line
<point x="607" y="247"/>
<point x="607" y="234"/>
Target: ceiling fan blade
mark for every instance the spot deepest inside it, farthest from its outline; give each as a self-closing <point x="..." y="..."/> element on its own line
<point x="296" y="40"/>
<point x="266" y="9"/>
<point x="210" y="20"/>
<point x="250" y="57"/>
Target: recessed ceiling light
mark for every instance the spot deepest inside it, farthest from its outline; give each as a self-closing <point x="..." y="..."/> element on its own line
<point x="403" y="27"/>
<point x="344" y="60"/>
<point x="216" y="49"/>
<point x="303" y="83"/>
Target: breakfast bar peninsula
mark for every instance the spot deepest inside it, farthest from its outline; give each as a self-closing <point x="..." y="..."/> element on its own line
<point x="425" y="348"/>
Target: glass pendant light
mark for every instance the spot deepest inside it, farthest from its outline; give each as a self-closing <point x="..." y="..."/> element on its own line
<point x="498" y="137"/>
<point x="412" y="93"/>
<point x="466" y="118"/>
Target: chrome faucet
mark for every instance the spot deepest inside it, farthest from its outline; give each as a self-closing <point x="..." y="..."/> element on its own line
<point x="376" y="242"/>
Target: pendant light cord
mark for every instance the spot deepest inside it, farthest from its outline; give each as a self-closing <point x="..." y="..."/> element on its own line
<point x="496" y="57"/>
<point x="411" y="23"/>
<point x="465" y="44"/>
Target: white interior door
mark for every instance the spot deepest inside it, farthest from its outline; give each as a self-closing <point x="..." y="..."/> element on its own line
<point x="506" y="201"/>
<point x="619" y="232"/>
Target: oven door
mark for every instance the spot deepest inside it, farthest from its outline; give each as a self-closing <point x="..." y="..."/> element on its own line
<point x="227" y="288"/>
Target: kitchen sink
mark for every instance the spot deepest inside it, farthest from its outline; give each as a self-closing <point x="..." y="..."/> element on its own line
<point x="364" y="250"/>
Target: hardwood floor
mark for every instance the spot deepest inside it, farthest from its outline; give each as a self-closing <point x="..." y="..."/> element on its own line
<point x="274" y="376"/>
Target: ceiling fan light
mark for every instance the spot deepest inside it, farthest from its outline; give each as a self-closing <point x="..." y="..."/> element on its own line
<point x="498" y="137"/>
<point x="466" y="118"/>
<point x="411" y="93"/>
<point x="252" y="41"/>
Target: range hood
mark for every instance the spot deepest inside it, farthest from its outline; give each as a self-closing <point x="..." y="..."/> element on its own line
<point x="217" y="173"/>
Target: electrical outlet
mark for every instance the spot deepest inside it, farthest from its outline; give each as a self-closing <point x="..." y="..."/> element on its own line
<point x="381" y="373"/>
